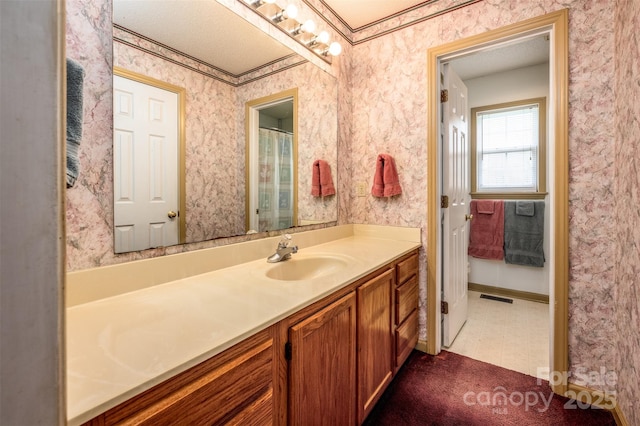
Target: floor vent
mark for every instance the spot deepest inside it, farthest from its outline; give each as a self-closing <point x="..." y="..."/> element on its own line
<point x="496" y="298"/>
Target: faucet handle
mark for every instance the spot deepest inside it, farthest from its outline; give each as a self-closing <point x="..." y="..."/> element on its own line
<point x="285" y="240"/>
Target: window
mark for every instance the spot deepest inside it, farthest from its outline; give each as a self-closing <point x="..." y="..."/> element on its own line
<point x="508" y="150"/>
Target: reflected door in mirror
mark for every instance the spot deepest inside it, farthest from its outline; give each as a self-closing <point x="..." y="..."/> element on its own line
<point x="271" y="160"/>
<point x="145" y="150"/>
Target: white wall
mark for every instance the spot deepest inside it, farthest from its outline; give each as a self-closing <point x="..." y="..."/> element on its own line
<point x="523" y="83"/>
<point x="31" y="212"/>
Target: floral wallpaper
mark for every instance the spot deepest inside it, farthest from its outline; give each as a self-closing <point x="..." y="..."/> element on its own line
<point x="627" y="214"/>
<point x="89" y="218"/>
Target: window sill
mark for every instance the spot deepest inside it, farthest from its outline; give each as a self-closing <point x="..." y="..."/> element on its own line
<point x="509" y="195"/>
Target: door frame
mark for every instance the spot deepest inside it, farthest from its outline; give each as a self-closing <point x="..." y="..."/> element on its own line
<point x="556" y="25"/>
<point x="182" y="119"/>
<point x="252" y="120"/>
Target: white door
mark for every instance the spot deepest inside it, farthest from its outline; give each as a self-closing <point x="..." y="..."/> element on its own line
<point x="455" y="185"/>
<point x="145" y="158"/>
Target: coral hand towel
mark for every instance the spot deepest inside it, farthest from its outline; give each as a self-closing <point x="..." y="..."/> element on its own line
<point x="321" y="180"/>
<point x="385" y="181"/>
<point x="485" y="206"/>
<point x="486" y="236"/>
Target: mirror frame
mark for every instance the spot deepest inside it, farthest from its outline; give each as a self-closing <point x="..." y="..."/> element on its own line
<point x="182" y="116"/>
<point x="251" y="121"/>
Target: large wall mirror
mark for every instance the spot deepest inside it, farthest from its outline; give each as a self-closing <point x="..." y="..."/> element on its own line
<point x="222" y="62"/>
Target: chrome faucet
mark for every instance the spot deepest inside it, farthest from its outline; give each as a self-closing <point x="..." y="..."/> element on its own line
<point x="284" y="250"/>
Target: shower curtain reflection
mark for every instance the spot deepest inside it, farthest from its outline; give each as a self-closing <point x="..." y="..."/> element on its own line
<point x="275" y="181"/>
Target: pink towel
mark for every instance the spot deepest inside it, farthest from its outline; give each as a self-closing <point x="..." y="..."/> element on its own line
<point x="486" y="237"/>
<point x="485" y="206"/>
<point x="385" y="181"/>
<point x="321" y="180"/>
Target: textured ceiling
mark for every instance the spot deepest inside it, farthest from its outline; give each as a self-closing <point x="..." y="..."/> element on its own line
<point x="357" y="13"/>
<point x="205" y="30"/>
<point x="524" y="53"/>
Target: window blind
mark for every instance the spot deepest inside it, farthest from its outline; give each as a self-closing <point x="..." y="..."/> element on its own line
<point x="507" y="148"/>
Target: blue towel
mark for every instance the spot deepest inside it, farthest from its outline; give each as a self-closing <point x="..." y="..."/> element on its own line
<point x="524" y="235"/>
<point x="75" y="117"/>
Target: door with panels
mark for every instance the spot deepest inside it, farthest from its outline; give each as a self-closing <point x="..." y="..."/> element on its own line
<point x="146" y="143"/>
<point x="455" y="205"/>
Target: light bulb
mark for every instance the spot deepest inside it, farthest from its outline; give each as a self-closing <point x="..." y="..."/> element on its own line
<point x="309" y="26"/>
<point x="291" y="11"/>
<point x="335" y="49"/>
<point x="323" y="37"/>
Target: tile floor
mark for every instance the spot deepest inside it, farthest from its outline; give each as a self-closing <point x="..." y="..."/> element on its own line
<point x="513" y="336"/>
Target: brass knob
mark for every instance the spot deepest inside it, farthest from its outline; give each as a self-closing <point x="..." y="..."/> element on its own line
<point x="468" y="216"/>
<point x="172" y="214"/>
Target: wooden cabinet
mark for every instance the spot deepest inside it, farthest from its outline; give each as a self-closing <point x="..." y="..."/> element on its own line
<point x="235" y="387"/>
<point x="340" y="355"/>
<point x="375" y="340"/>
<point x="406" y="307"/>
<point x="333" y="382"/>
<point x="322" y="366"/>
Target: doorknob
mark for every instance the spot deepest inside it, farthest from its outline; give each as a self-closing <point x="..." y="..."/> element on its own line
<point x="172" y="214"/>
<point x="468" y="216"/>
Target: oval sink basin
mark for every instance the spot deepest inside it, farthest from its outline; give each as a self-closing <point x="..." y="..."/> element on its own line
<point x="306" y="268"/>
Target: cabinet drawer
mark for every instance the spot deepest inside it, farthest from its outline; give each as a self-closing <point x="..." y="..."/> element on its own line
<point x="406" y="338"/>
<point x="406" y="268"/>
<point x="239" y="391"/>
<point x="406" y="299"/>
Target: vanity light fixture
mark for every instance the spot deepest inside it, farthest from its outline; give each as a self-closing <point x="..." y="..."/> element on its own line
<point x="308" y="27"/>
<point x="323" y="50"/>
<point x="334" y="49"/>
<point x="289" y="12"/>
<point x="258" y="3"/>
<point x="322" y="38"/>
<point x="304" y="33"/>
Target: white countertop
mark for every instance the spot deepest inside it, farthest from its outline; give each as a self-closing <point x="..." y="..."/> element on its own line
<point x="122" y="345"/>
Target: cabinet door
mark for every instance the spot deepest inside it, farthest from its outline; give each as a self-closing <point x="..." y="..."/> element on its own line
<point x="375" y="340"/>
<point x="406" y="338"/>
<point x="322" y="367"/>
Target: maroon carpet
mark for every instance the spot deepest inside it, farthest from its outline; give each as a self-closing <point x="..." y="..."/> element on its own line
<point x="450" y="389"/>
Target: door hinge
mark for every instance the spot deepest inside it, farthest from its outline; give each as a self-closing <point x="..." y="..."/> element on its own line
<point x="444" y="201"/>
<point x="444" y="95"/>
<point x="287" y="351"/>
<point x="444" y="307"/>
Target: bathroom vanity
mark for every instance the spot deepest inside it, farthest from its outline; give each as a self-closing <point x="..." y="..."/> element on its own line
<point x="319" y="336"/>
